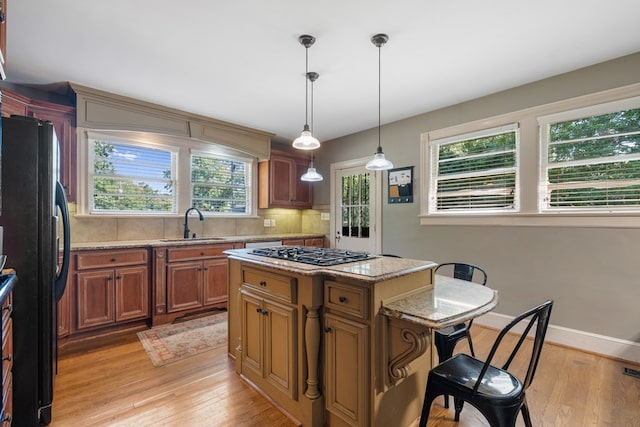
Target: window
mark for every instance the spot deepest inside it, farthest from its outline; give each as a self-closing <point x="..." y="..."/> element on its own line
<point x="220" y="185"/>
<point x="135" y="173"/>
<point x="590" y="159"/>
<point x="126" y="178"/>
<point x="475" y="172"/>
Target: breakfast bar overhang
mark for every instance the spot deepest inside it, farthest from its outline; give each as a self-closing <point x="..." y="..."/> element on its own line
<point x="348" y="344"/>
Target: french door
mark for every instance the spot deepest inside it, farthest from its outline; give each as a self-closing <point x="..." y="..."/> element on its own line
<point x="356" y="209"/>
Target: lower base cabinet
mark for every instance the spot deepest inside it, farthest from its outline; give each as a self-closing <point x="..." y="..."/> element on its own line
<point x="106" y="296"/>
<point x="347" y="369"/>
<point x="269" y="337"/>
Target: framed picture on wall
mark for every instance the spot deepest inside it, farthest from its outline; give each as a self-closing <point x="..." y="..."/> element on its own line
<point x="401" y="185"/>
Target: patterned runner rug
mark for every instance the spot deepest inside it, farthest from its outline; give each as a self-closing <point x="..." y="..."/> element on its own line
<point x="172" y="342"/>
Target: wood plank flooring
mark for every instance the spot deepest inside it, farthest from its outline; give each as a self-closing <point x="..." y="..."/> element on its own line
<point x="113" y="383"/>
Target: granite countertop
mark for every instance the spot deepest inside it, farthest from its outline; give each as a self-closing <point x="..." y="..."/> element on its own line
<point x="376" y="269"/>
<point x="126" y="244"/>
<point x="449" y="302"/>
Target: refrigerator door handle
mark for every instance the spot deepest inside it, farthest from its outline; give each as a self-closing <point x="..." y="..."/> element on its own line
<point x="61" y="279"/>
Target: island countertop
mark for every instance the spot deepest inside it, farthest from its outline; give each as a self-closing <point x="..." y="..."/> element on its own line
<point x="449" y="302"/>
<point x="375" y="269"/>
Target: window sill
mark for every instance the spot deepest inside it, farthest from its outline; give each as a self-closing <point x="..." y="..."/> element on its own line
<point x="536" y="220"/>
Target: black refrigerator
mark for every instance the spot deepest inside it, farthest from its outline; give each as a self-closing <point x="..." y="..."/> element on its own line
<point x="35" y="219"/>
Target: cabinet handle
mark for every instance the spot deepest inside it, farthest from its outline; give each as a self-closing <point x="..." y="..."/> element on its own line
<point x="258" y="310"/>
<point x="327" y="329"/>
<point x="7" y="419"/>
<point x="265" y="313"/>
<point x="8" y="358"/>
<point x="201" y="253"/>
<point x="113" y="260"/>
<point x="108" y="278"/>
<point x="119" y="276"/>
<point x="206" y="268"/>
<point x="342" y="299"/>
<point x="263" y="283"/>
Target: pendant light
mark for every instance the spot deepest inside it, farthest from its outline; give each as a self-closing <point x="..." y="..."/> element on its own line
<point x="379" y="162"/>
<point x="311" y="175"/>
<point x="306" y="141"/>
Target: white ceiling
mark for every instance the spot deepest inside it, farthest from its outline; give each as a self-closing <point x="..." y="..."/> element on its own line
<point x="241" y="61"/>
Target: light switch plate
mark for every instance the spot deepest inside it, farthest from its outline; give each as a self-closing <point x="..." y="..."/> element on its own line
<point x="267" y="223"/>
<point x="273" y="222"/>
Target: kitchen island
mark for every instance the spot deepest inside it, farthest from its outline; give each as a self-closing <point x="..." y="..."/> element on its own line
<point x="341" y="345"/>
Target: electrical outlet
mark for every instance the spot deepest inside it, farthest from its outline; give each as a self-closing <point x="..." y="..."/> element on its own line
<point x="324" y="216"/>
<point x="273" y="222"/>
<point x="267" y="223"/>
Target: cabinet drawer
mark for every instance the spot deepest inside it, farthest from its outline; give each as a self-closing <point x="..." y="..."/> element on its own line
<point x="281" y="287"/>
<point x="348" y="299"/>
<point x="115" y="258"/>
<point x="196" y="252"/>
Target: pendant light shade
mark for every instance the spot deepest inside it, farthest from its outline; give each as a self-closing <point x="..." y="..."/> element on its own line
<point x="312" y="174"/>
<point x="306" y="140"/>
<point x="379" y="162"/>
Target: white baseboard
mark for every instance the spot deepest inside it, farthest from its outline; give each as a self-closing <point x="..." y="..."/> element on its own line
<point x="599" y="344"/>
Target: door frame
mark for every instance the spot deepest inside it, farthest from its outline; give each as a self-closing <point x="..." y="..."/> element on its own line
<point x="376" y="177"/>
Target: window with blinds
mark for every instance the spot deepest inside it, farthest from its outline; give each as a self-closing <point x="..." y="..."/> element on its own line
<point x="127" y="178"/>
<point x="475" y="172"/>
<point x="591" y="162"/>
<point x="220" y="185"/>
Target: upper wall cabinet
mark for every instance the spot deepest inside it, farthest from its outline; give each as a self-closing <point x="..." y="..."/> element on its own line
<point x="63" y="119"/>
<point x="279" y="184"/>
<point x="3" y="38"/>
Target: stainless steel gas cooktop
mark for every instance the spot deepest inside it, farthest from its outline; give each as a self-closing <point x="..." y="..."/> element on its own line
<point x="312" y="255"/>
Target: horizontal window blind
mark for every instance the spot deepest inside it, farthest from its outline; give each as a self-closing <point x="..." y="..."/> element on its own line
<point x="130" y="178"/>
<point x="591" y="163"/>
<point x="220" y="185"/>
<point x="475" y="172"/>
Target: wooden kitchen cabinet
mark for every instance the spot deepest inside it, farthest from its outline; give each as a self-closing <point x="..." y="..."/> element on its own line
<point x="316" y="241"/>
<point x="111" y="287"/>
<point x="279" y="184"/>
<point x="269" y="341"/>
<point x="347" y="368"/>
<point x="6" y="383"/>
<point x="63" y="118"/>
<point x="188" y="279"/>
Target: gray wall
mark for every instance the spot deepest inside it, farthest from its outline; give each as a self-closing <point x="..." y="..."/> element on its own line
<point x="590" y="273"/>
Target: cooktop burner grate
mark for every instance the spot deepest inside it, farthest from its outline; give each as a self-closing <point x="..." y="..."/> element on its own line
<point x="312" y="255"/>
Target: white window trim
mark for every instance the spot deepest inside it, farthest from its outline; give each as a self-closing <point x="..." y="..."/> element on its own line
<point x="529" y="215"/>
<point x="491" y="131"/>
<point x="183" y="146"/>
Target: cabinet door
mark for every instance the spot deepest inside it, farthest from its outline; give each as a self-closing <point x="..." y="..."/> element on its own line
<point x="347" y="369"/>
<point x="280" y="344"/>
<point x="215" y="281"/>
<point x="132" y="293"/>
<point x="64" y="315"/>
<point x="302" y="196"/>
<point x="252" y="334"/>
<point x="281" y="174"/>
<point x="184" y="285"/>
<point x="95" y="298"/>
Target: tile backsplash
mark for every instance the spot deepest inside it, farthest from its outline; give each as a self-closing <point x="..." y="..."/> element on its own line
<point x="280" y="221"/>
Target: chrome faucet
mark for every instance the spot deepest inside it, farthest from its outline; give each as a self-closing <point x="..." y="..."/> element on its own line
<point x="186" y="220"/>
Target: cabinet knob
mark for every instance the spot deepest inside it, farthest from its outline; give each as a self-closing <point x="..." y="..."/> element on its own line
<point x="327" y="329"/>
<point x="9" y="307"/>
<point x="265" y="313"/>
<point x="119" y="276"/>
<point x="258" y="310"/>
<point x="8" y="418"/>
<point x="113" y="260"/>
<point x="201" y="253"/>
<point x="108" y="278"/>
<point x="8" y="358"/>
<point x="342" y="299"/>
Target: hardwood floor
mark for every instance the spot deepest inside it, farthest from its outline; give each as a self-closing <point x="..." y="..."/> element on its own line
<point x="115" y="384"/>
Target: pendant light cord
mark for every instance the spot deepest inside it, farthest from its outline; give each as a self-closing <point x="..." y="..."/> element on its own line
<point x="379" y="90"/>
<point x="306" y="86"/>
